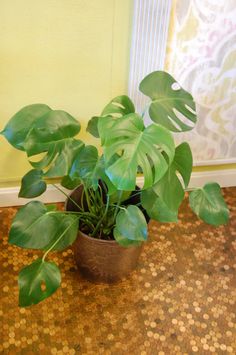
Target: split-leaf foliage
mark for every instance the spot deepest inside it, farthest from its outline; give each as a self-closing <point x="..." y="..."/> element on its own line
<point x="106" y="209"/>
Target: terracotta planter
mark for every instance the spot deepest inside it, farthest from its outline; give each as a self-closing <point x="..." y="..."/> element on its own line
<point x="102" y="261"/>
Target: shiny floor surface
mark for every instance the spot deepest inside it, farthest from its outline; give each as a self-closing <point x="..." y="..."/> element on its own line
<point x="180" y="300"/>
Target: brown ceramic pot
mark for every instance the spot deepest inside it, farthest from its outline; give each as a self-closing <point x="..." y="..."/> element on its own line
<point x="101" y="261"/>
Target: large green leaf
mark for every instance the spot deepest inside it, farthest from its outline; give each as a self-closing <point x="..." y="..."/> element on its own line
<point x="53" y="127"/>
<point x="36" y="227"/>
<point x="53" y="133"/>
<point x="209" y="204"/>
<point x="136" y="146"/>
<point x="38" y="281"/>
<point x="164" y="198"/>
<point x="171" y="106"/>
<point x="22" y="122"/>
<point x="32" y="184"/>
<point x="130" y="224"/>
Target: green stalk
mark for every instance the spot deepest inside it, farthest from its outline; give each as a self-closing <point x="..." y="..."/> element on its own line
<point x="71" y="199"/>
<point x="103" y="217"/>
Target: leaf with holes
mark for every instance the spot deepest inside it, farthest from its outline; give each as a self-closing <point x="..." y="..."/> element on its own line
<point x="32" y="184"/>
<point x="130" y="224"/>
<point x="171" y="106"/>
<point x="162" y="200"/>
<point x="135" y="145"/>
<point x="36" y="227"/>
<point x="38" y="281"/>
<point x="53" y="133"/>
<point x="209" y="205"/>
<point x="22" y="122"/>
<point x="117" y="107"/>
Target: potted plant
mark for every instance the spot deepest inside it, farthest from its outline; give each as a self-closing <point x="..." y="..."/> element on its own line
<point x="108" y="209"/>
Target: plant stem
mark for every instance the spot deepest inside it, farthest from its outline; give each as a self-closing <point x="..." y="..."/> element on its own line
<point x="101" y="220"/>
<point x="191" y="189"/>
<point x="118" y="203"/>
<point x="71" y="199"/>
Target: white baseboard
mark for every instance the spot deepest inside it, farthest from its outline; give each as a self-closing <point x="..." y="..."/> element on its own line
<point x="9" y="196"/>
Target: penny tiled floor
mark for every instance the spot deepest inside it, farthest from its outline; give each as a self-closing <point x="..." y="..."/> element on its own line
<point x="180" y="300"/>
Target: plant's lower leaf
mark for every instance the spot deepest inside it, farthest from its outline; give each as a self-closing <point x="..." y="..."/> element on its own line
<point x="124" y="242"/>
<point x="115" y="197"/>
<point x="32" y="184"/>
<point x="38" y="281"/>
<point x="36" y="227"/>
<point x="156" y="207"/>
<point x="209" y="205"/>
<point x="131" y="224"/>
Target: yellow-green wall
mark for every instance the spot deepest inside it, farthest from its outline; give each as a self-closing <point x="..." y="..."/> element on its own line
<point x="69" y="54"/>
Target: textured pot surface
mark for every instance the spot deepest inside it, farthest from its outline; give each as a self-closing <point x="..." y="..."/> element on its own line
<point x="103" y="260"/>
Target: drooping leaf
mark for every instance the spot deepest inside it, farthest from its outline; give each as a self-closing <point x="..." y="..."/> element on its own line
<point x="32" y="184"/>
<point x="162" y="200"/>
<point x="92" y="126"/>
<point x="22" y="122"/>
<point x="156" y="208"/>
<point x="36" y="227"/>
<point x="130" y="224"/>
<point x="135" y="145"/>
<point x="172" y="106"/>
<point x="209" y="205"/>
<point x="169" y="188"/>
<point x="120" y="105"/>
<point x="38" y="281"/>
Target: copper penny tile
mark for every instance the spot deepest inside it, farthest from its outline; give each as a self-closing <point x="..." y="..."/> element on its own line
<point x="180" y="300"/>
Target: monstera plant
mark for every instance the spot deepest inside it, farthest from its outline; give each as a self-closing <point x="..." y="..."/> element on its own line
<point x="128" y="146"/>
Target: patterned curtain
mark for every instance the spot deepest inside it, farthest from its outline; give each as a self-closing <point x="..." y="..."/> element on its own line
<point x="201" y="55"/>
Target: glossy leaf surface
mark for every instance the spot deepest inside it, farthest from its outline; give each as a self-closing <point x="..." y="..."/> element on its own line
<point x="209" y="205"/>
<point x="172" y="106"/>
<point x="156" y="207"/>
<point x="164" y="198"/>
<point x="135" y="145"/>
<point x="32" y="184"/>
<point x="38" y="281"/>
<point x="130" y="224"/>
<point x="22" y="122"/>
<point x="92" y="126"/>
<point x="36" y="227"/>
<point x="119" y="106"/>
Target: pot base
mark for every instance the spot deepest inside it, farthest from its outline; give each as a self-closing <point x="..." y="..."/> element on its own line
<point x="104" y="261"/>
